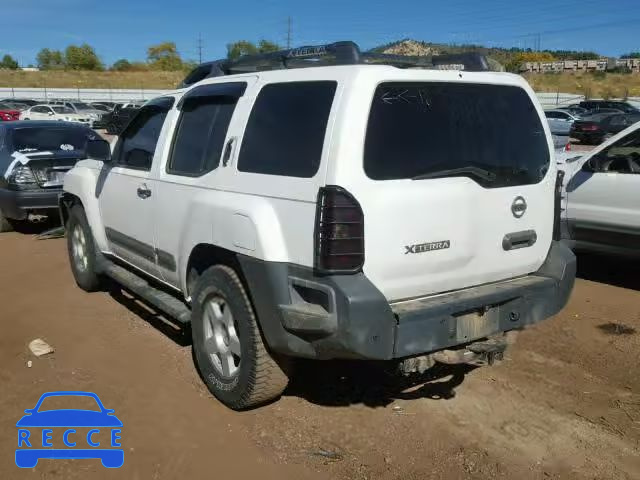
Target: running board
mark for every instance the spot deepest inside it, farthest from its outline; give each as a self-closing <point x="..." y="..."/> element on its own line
<point x="168" y="304"/>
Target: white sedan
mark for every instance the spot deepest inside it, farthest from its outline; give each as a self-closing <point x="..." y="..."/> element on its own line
<point x="602" y="197"/>
<point x="54" y="112"/>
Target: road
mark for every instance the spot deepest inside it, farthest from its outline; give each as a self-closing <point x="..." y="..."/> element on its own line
<point x="565" y="404"/>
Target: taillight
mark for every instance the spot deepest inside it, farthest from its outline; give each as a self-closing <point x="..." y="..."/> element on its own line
<point x="557" y="213"/>
<point x="339" y="234"/>
<point x="590" y="128"/>
<point x="567" y="147"/>
<point x="22" y="177"/>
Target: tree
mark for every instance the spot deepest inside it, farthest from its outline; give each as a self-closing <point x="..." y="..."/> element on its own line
<point x="121" y="65"/>
<point x="82" y="57"/>
<point x="528" y="56"/>
<point x="49" y="59"/>
<point x="9" y="62"/>
<point x="631" y="55"/>
<point x="265" y="46"/>
<point x="164" y="56"/>
<point x="240" y="48"/>
<point x="244" y="47"/>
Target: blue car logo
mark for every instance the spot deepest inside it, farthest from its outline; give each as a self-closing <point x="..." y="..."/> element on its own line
<point x="36" y="433"/>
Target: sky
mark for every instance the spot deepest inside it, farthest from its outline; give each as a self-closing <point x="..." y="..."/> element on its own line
<point x="125" y="28"/>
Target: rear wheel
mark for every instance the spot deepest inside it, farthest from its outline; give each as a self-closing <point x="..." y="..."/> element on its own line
<point x="82" y="252"/>
<point x="228" y="345"/>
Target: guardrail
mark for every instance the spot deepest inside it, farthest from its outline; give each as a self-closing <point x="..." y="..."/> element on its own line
<point x="82" y="94"/>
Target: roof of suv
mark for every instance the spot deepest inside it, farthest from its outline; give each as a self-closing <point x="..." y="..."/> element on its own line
<point x="379" y="72"/>
<point x="334" y="54"/>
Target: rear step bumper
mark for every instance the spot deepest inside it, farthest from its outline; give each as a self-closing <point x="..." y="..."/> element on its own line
<point x="348" y="317"/>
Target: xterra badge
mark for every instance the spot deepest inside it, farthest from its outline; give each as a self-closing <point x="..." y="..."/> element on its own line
<point x="427" y="247"/>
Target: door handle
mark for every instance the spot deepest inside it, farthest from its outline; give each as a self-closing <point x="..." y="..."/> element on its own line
<point x="143" y="191"/>
<point x="227" y="151"/>
<point x="517" y="240"/>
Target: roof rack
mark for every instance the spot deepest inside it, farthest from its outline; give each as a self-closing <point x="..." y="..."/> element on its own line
<point x="338" y="53"/>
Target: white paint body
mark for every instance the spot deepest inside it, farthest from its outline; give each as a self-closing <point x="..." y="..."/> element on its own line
<point x="273" y="217"/>
<point x="603" y="201"/>
<point x="46" y="112"/>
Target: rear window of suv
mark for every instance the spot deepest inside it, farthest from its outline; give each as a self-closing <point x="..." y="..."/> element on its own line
<point x="420" y="129"/>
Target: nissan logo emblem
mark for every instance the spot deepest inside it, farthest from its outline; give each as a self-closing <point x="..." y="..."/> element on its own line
<point x="519" y="207"/>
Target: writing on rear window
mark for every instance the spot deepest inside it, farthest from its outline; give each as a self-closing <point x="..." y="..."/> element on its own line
<point x="489" y="133"/>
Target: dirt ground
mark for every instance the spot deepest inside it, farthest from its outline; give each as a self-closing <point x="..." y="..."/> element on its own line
<point x="565" y="404"/>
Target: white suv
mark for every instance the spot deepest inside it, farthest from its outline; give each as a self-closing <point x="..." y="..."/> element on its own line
<point x="345" y="211"/>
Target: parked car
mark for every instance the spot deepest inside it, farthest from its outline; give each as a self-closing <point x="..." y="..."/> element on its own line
<point x="602" y="212"/>
<point x="85" y="110"/>
<point x="589" y="129"/>
<point x="34" y="158"/>
<point x="14" y="105"/>
<point x="598" y="105"/>
<point x="8" y="113"/>
<point x="115" y="121"/>
<point x="560" y="122"/>
<point x="616" y="123"/>
<point x="54" y="112"/>
<point x="24" y="101"/>
<point x="101" y="107"/>
<point x="246" y="196"/>
<point x="574" y="110"/>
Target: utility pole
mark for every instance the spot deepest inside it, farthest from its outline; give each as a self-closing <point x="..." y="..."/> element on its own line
<point x="199" y="44"/>
<point x="288" y="32"/>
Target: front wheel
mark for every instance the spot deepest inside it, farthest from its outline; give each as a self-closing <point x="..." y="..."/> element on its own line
<point x="5" y="223"/>
<point x="228" y="345"/>
<point x="82" y="252"/>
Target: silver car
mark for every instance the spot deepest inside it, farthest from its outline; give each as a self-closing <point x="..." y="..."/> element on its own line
<point x="560" y="121"/>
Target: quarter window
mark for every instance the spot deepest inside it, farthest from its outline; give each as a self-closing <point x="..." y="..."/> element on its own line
<point x="200" y="135"/>
<point x="286" y="129"/>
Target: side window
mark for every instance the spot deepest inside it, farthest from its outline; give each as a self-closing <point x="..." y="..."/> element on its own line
<point x="200" y="134"/>
<point x="551" y="114"/>
<point x="286" y="129"/>
<point x="137" y="144"/>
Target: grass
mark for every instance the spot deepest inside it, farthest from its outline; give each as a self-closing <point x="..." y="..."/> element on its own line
<point x="87" y="79"/>
<point x="596" y="85"/>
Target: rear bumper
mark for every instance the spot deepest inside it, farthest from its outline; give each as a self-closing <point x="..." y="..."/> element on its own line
<point x="16" y="204"/>
<point x="348" y="317"/>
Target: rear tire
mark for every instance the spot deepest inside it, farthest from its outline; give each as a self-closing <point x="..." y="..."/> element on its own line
<point x="82" y="251"/>
<point x="5" y="224"/>
<point x="227" y="343"/>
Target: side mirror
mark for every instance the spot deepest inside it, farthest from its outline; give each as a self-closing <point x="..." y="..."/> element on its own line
<point x="591" y="165"/>
<point x="99" y="149"/>
<point x="50" y="113"/>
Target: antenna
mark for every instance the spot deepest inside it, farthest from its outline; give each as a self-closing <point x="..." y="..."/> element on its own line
<point x="199" y="45"/>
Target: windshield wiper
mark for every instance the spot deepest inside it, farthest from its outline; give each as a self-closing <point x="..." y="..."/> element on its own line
<point x="459" y="172"/>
